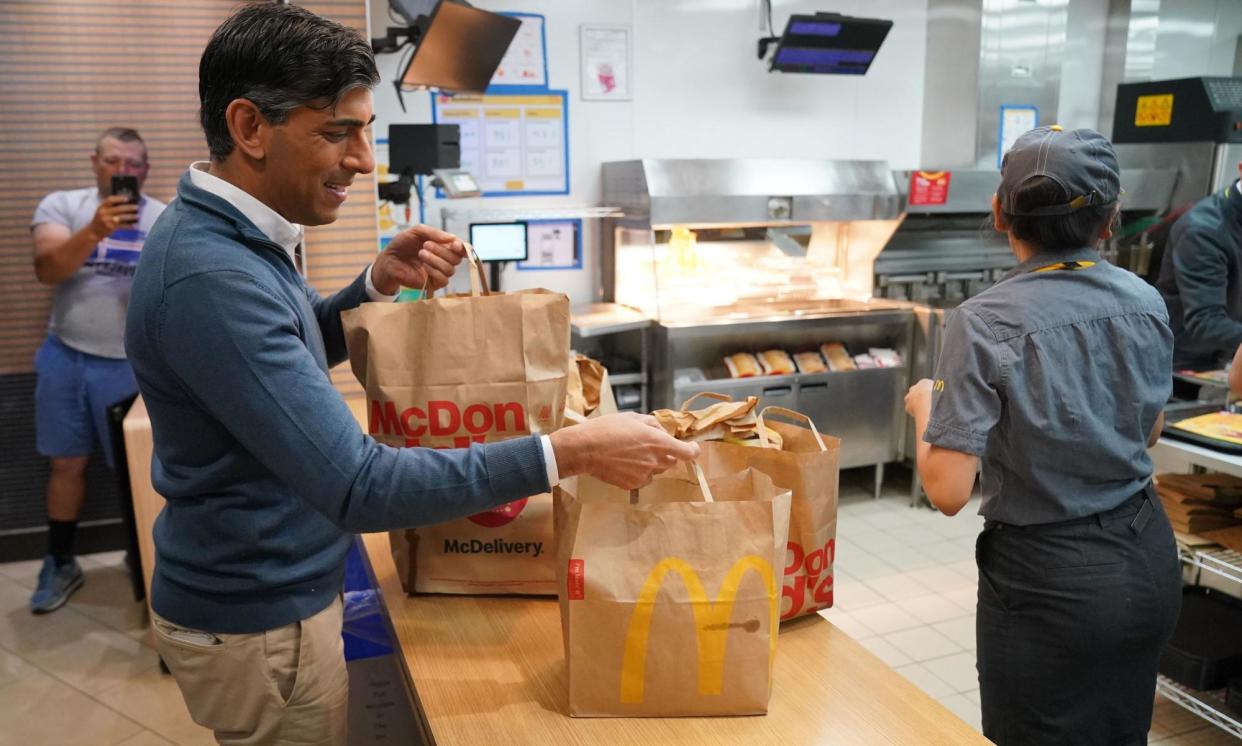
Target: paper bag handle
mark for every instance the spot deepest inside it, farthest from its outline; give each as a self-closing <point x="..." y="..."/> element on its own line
<point x="685" y="406"/>
<point x="697" y="472"/>
<point x="478" y="280"/>
<point x="784" y="412"/>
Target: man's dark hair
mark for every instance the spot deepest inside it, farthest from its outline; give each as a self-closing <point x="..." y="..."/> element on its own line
<point x="1078" y="229"/>
<point x="124" y="134"/>
<point x="278" y="57"/>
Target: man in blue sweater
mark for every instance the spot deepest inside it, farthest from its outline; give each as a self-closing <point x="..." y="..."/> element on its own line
<point x="265" y="471"/>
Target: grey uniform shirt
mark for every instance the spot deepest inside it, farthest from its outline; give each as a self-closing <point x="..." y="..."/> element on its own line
<point x="1055" y="378"/>
<point x="88" y="307"/>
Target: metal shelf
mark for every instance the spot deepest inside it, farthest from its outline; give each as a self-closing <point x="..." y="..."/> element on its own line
<point x="590" y="324"/>
<point x="1208" y="705"/>
<point x="626" y="379"/>
<point x="554" y="212"/>
<point x="1224" y="562"/>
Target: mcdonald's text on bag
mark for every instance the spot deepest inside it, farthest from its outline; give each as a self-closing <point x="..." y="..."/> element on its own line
<point x="447" y="420"/>
<point x="808" y="574"/>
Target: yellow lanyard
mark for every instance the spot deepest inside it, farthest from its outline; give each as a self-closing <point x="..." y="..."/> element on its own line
<point x="1070" y="266"/>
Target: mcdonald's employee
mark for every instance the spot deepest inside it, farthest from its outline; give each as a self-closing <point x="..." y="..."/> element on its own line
<point x="1201" y="280"/>
<point x="1056" y="378"/>
<point x="264" y="469"/>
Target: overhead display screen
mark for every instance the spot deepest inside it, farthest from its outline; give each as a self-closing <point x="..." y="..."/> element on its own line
<point x="829" y="44"/>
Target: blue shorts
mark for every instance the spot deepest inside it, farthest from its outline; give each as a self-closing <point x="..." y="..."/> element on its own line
<point x="72" y="396"/>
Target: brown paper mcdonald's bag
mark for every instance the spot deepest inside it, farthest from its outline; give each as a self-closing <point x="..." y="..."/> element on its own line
<point x="451" y="371"/>
<point x="806" y="463"/>
<point x="670" y="605"/>
<point x="590" y="391"/>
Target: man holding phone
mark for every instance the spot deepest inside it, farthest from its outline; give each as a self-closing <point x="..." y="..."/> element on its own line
<point x="86" y="246"/>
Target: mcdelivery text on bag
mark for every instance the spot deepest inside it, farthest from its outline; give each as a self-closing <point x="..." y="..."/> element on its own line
<point x="492" y="546"/>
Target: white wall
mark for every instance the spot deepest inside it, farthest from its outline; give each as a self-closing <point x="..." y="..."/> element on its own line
<point x="701" y="92"/>
<point x="599" y="131"/>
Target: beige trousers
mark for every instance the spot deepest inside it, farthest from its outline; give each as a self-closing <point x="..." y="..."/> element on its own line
<point x="283" y="686"/>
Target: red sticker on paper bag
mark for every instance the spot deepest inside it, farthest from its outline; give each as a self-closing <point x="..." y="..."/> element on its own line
<point x="576" y="587"/>
<point x="497" y="517"/>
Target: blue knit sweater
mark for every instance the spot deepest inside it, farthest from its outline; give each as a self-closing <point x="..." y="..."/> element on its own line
<point x="264" y="468"/>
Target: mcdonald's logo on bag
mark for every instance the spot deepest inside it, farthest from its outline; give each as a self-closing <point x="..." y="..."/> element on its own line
<point x="711" y="622"/>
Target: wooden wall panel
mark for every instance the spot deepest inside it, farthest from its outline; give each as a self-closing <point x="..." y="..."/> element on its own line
<point x="71" y="68"/>
<point x="68" y="70"/>
<point x="337" y="253"/>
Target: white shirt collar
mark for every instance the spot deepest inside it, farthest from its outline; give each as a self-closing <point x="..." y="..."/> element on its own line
<point x="287" y="235"/>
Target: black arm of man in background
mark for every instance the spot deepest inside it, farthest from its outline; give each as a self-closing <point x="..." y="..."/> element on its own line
<point x="1204" y="263"/>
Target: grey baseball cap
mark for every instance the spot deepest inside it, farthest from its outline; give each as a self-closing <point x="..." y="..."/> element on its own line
<point x="1082" y="161"/>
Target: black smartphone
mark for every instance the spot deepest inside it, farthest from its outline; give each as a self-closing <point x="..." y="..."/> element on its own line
<point x="126" y="186"/>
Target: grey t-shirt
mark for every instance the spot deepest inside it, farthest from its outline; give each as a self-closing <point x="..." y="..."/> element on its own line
<point x="1055" y="377"/>
<point x="88" y="308"/>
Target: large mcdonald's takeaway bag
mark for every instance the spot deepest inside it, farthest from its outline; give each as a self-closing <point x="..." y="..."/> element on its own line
<point x="447" y="372"/>
<point x="670" y="596"/>
<point x="806" y="462"/>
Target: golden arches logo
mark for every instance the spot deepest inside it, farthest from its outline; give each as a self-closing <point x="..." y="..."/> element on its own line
<point x="711" y="622"/>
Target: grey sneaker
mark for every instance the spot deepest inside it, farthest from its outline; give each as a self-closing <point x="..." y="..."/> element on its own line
<point x="56" y="585"/>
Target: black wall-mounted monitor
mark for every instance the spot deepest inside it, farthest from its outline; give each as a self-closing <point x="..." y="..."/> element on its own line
<point x="459" y="50"/>
<point x="499" y="242"/>
<point x="422" y="148"/>
<point x="829" y="44"/>
<point x="410" y="10"/>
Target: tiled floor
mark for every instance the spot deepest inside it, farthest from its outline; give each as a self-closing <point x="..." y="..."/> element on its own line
<point x="905" y="589"/>
<point x="86" y="674"/>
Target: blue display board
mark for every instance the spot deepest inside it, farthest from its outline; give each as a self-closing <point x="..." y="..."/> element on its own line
<point x="513" y="144"/>
<point x="553" y="244"/>
<point x="1014" y="122"/>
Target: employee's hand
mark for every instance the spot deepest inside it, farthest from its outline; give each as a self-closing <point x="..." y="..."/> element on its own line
<point x="416" y="256"/>
<point x="114" y="212"/>
<point x="918" y="399"/>
<point x="624" y="450"/>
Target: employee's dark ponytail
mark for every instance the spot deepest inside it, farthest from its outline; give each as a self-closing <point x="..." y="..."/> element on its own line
<point x="1054" y="232"/>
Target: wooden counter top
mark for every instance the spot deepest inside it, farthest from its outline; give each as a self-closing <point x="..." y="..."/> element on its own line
<point x="488" y="670"/>
<point x="147" y="502"/>
<point x="491" y="670"/>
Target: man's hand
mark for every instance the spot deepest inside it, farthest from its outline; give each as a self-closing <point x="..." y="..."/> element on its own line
<point x="114" y="212"/>
<point x="918" y="400"/>
<point x="624" y="450"/>
<point x="59" y="253"/>
<point x="416" y="256"/>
